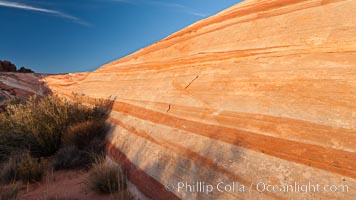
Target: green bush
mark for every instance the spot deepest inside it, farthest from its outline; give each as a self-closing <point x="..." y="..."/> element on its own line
<point x="106" y="178"/>
<point x="31" y="169"/>
<point x="70" y="157"/>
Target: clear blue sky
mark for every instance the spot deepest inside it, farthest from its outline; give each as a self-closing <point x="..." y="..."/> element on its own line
<point x="58" y="36"/>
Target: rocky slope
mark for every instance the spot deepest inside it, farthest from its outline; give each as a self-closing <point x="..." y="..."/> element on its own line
<point x="20" y="86"/>
<point x="263" y="91"/>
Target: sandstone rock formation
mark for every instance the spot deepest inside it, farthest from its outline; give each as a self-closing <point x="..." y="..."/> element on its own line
<point x="263" y="91"/>
<point x="20" y="86"/>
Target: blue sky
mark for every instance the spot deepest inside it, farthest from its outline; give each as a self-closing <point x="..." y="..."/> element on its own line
<point x="59" y="36"/>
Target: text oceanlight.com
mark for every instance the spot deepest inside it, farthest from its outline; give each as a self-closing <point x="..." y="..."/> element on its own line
<point x="202" y="187"/>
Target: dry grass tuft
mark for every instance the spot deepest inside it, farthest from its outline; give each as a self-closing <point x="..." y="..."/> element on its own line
<point x="31" y="169"/>
<point x="10" y="193"/>
<point x="8" y="171"/>
<point x="106" y="178"/>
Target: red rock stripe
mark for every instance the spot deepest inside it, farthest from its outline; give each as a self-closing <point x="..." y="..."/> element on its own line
<point x="179" y="150"/>
<point x="191" y="155"/>
<point x="197" y="58"/>
<point x="150" y="187"/>
<point x="332" y="160"/>
<point x="300" y="129"/>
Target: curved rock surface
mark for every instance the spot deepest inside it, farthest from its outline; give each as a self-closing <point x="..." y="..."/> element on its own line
<point x="263" y="91"/>
<point x="20" y="86"/>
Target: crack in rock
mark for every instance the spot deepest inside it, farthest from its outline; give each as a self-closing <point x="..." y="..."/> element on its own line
<point x="191" y="82"/>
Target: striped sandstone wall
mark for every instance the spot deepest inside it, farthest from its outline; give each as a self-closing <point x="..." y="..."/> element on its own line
<point x="263" y="91"/>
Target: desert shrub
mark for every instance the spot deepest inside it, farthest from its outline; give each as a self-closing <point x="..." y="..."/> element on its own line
<point x="70" y="157"/>
<point x="106" y="178"/>
<point x="31" y="169"/>
<point x="98" y="110"/>
<point x="38" y="124"/>
<point x="12" y="143"/>
<point x="84" y="133"/>
<point x="8" y="171"/>
<point x="41" y="121"/>
<point x="10" y="193"/>
<point x="96" y="147"/>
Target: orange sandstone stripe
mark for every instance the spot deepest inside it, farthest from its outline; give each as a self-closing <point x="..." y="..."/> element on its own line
<point x="329" y="159"/>
<point x="197" y="58"/>
<point x="299" y="129"/>
<point x="149" y="186"/>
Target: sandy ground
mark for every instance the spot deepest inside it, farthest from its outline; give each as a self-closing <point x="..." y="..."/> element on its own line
<point x="68" y="185"/>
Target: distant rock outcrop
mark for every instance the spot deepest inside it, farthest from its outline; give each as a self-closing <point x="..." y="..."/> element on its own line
<point x="263" y="92"/>
<point x="7" y="66"/>
<point x="25" y="70"/>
